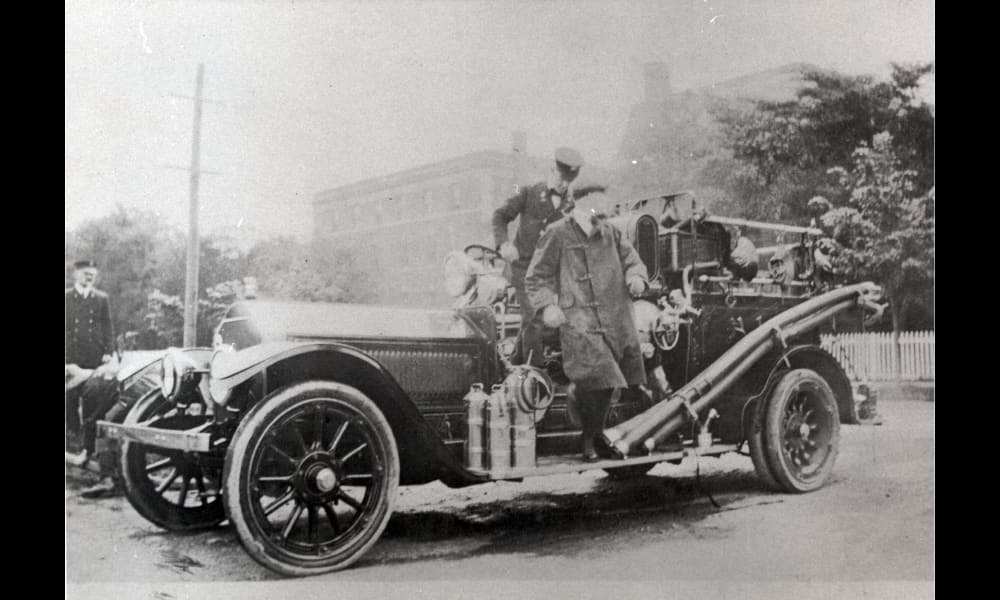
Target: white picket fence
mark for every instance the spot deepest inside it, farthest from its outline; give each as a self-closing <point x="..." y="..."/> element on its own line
<point x="869" y="356"/>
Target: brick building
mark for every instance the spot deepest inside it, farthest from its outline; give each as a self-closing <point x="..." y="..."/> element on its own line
<point x="401" y="226"/>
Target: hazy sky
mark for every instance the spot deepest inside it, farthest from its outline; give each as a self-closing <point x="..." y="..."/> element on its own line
<point x="316" y="95"/>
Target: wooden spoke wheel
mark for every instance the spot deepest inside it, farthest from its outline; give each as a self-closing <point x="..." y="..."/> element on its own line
<point x="311" y="478"/>
<point x="172" y="489"/>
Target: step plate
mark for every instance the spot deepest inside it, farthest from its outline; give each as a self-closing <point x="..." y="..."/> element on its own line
<point x="574" y="463"/>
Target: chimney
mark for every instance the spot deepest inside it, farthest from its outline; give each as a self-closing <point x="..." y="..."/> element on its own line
<point x="657" y="82"/>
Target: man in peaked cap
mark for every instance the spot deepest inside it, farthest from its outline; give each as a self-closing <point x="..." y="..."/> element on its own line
<point x="537" y="206"/>
<point x="89" y="339"/>
<point x="89" y="334"/>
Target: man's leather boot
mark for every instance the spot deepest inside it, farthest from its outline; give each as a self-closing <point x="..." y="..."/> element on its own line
<point x="585" y="402"/>
<point x="600" y="407"/>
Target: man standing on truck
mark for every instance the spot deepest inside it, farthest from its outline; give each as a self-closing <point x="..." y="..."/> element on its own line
<point x="537" y="206"/>
<point x="580" y="280"/>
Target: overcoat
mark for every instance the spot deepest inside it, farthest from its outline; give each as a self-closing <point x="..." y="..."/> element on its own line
<point x="586" y="276"/>
<point x="89" y="333"/>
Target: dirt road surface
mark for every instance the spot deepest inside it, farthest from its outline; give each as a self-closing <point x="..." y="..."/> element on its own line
<point x="868" y="532"/>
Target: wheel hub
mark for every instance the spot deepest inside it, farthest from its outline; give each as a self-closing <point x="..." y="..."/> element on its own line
<point x="319" y="478"/>
<point x="325" y="479"/>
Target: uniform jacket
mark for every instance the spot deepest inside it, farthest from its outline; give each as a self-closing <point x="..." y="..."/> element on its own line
<point x="88" y="328"/>
<point x="586" y="276"/>
<point x="534" y="205"/>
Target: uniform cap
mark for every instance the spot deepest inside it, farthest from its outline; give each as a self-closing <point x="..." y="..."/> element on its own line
<point x="568" y="159"/>
<point x="85" y="264"/>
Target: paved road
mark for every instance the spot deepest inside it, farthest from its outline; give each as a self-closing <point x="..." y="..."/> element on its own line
<point x="872" y="524"/>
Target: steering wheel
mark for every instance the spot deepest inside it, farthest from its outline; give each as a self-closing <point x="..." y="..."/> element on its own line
<point x="488" y="254"/>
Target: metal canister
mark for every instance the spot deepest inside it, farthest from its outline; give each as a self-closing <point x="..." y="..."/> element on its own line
<point x="522" y="419"/>
<point x="475" y="409"/>
<point x="498" y="430"/>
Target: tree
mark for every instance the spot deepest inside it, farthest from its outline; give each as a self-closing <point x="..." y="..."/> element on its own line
<point x="780" y="151"/>
<point x="885" y="228"/>
<point x="285" y="268"/>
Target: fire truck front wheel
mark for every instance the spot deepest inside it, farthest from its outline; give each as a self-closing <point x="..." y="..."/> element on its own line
<point x="311" y="478"/>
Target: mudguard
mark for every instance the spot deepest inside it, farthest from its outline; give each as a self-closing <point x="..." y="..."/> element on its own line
<point x="423" y="455"/>
<point x="806" y="357"/>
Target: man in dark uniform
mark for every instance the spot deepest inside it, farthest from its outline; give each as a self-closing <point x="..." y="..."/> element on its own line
<point x="580" y="280"/>
<point x="89" y="345"/>
<point x="537" y="206"/>
<point x="88" y="330"/>
<point x="89" y="335"/>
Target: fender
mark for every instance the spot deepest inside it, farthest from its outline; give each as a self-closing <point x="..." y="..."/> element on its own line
<point x="805" y="357"/>
<point x="422" y="454"/>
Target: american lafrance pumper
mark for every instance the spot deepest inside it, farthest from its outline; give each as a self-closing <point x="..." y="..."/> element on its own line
<point x="307" y="417"/>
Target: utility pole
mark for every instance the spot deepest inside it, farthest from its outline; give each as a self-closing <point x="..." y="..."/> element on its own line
<point x="191" y="274"/>
<point x="193" y="245"/>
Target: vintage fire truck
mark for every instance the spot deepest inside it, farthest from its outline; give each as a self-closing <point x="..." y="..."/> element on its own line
<point x="303" y="420"/>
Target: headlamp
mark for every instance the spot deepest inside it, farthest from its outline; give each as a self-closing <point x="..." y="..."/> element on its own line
<point x="179" y="374"/>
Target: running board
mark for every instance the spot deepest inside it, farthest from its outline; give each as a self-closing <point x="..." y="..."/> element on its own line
<point x="574" y="463"/>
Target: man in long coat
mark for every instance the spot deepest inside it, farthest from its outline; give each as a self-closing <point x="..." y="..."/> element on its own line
<point x="580" y="280"/>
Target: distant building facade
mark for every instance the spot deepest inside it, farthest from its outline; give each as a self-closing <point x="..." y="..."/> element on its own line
<point x="401" y="226"/>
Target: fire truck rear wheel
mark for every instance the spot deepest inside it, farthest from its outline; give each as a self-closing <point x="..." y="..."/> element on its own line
<point x="311" y="478"/>
<point x="801" y="431"/>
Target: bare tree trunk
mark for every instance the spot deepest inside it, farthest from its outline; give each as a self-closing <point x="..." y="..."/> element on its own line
<point x="895" y="310"/>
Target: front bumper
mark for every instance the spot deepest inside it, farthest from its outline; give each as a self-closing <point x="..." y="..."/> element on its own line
<point x="188" y="440"/>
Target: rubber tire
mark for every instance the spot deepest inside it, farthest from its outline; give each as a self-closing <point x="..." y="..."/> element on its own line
<point x="239" y="458"/>
<point x="783" y="472"/>
<point x="755" y="437"/>
<point x="136" y="484"/>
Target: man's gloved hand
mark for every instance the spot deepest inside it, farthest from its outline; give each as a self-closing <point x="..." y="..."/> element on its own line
<point x="553" y="316"/>
<point x="509" y="252"/>
<point x="636" y="286"/>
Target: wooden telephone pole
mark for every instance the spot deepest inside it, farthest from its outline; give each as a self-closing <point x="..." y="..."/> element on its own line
<point x="193" y="245"/>
<point x="191" y="274"/>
